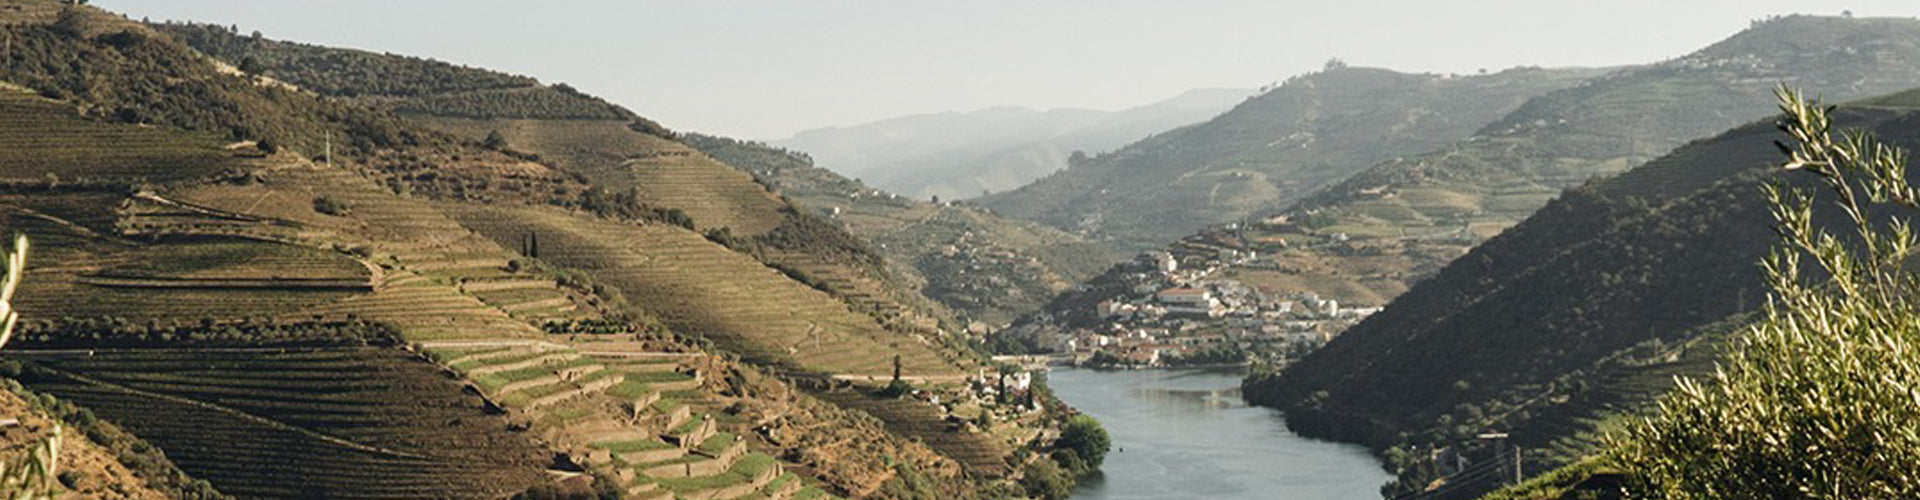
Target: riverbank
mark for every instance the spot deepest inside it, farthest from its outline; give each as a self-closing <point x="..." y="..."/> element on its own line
<point x="1188" y="434"/>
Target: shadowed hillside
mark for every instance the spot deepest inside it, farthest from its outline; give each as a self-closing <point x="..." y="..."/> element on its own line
<point x="1581" y="312"/>
<point x="1420" y="212"/>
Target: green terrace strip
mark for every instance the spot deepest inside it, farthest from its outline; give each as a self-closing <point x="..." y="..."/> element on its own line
<point x="630" y="389"/>
<point x="718" y="444"/>
<point x="618" y="447"/>
<point x="745" y="471"/>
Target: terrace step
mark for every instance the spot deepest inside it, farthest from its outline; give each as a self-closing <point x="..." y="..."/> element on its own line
<point x="754" y="483"/>
<point x="486" y="355"/>
<point x="536" y="304"/>
<point x="782" y="488"/>
<point x="522" y="385"/>
<point x="653" y="493"/>
<point x="498" y="285"/>
<point x="590" y="387"/>
<point x="455" y="264"/>
<point x="642" y="366"/>
<point x="547" y="359"/>
<point x="689" y="437"/>
<point x="651" y="456"/>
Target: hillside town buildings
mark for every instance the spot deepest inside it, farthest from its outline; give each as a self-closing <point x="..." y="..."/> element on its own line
<point x="1178" y="312"/>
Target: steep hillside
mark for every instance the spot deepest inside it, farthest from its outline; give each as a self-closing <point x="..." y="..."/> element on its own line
<point x="961" y="155"/>
<point x="985" y="268"/>
<point x="1270" y="151"/>
<point x="316" y="310"/>
<point x="622" y="159"/>
<point x="1584" y="310"/>
<point x="1399" y="221"/>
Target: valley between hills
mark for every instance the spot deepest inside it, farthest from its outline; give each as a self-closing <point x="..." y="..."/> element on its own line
<point x="262" y="268"/>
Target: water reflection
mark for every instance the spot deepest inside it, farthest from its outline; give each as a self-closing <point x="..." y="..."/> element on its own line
<point x="1190" y="435"/>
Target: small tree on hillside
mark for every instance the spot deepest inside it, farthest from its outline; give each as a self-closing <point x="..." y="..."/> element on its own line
<point x="251" y="66"/>
<point x="495" y="141"/>
<point x="1821" y="398"/>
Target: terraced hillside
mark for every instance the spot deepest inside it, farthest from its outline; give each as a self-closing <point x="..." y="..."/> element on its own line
<point x="47" y="142"/>
<point x="980" y="451"/>
<point x="716" y="196"/>
<point x="624" y="156"/>
<point x="1569" y="319"/>
<point x="638" y="414"/>
<point x="665" y="173"/>
<point x="342" y="422"/>
<point x="1270" y="151"/>
<point x="700" y="287"/>
<point x="152" y="302"/>
<point x="987" y="269"/>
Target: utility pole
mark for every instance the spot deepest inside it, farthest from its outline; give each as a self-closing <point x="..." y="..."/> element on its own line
<point x="1516" y="464"/>
<point x="1499" y="452"/>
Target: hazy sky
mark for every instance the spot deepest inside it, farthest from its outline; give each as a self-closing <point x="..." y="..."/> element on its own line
<point x="767" y="69"/>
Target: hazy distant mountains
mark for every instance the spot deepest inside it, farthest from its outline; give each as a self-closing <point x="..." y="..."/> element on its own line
<point x="962" y="155"/>
<point x="1272" y="150"/>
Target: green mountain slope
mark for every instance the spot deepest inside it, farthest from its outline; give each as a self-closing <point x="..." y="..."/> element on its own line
<point x="1582" y="311"/>
<point x="1270" y="151"/>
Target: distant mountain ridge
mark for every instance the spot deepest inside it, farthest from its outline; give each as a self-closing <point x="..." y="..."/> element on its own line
<point x="1271" y="150"/>
<point x="962" y="154"/>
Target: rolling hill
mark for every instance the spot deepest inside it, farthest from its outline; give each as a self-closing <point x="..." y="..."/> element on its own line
<point x="1270" y="151"/>
<point x="961" y="155"/>
<point x="1577" y="315"/>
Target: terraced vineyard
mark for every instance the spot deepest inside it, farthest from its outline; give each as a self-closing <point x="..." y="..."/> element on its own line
<point x="74" y="285"/>
<point x="236" y="264"/>
<point x="666" y="173"/>
<point x="700" y="287"/>
<point x="291" y="423"/>
<point x="617" y="412"/>
<point x="43" y="140"/>
<point x="982" y="452"/>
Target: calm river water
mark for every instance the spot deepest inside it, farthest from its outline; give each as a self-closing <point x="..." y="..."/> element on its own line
<point x="1187" y="434"/>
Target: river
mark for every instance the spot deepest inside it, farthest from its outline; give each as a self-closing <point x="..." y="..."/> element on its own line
<point x="1187" y="434"/>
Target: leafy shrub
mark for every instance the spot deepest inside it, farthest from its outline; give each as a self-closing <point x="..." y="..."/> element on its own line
<point x="329" y="205"/>
<point x="1816" y="400"/>
<point x="1044" y="480"/>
